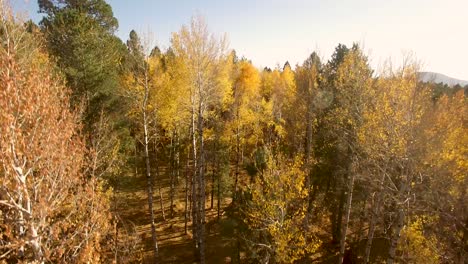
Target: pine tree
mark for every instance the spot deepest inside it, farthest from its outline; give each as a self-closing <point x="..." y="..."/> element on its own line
<point x="80" y="35"/>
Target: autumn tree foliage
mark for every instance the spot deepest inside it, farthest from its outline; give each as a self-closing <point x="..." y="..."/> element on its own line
<point x="245" y="128"/>
<point x="207" y="71"/>
<point x="445" y="190"/>
<point x="140" y="82"/>
<point x="274" y="212"/>
<point x="323" y="161"/>
<point x="52" y="208"/>
<point x="391" y="140"/>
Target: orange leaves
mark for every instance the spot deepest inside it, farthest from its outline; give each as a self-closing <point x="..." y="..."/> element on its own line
<point x="43" y="158"/>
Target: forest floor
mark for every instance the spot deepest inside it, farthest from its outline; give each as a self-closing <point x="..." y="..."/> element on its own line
<point x="134" y="229"/>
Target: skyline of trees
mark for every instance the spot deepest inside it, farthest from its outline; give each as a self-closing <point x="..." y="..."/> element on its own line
<point x="327" y="161"/>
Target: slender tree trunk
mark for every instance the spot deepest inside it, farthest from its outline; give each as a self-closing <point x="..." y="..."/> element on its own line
<point x="308" y="135"/>
<point x="464" y="244"/>
<point x="237" y="164"/>
<point x="21" y="222"/>
<point x="218" y="189"/>
<point x="401" y="216"/>
<point x="463" y="252"/>
<point x="406" y="186"/>
<point x="136" y="157"/>
<point x="370" y="236"/>
<point x="201" y="186"/>
<point x="35" y="243"/>
<point x="186" y="213"/>
<point x="307" y="154"/>
<point x="373" y="220"/>
<point x="171" y="191"/>
<point x="396" y="236"/>
<point x="194" y="188"/>
<point x="177" y="158"/>
<point x="237" y="154"/>
<point x="339" y="216"/>
<point x="161" y="202"/>
<point x="213" y="170"/>
<point x="116" y="241"/>
<point x="191" y="186"/>
<point x="149" y="177"/>
<point x="348" y="212"/>
<point x="359" y="234"/>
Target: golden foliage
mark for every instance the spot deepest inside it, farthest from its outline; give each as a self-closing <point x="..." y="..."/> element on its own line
<point x="278" y="209"/>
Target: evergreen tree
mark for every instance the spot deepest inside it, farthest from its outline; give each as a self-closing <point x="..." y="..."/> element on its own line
<point x="80" y="35"/>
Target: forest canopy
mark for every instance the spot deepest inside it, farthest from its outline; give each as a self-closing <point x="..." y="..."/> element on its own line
<point x="122" y="152"/>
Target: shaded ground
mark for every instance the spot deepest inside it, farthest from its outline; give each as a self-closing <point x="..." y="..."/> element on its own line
<point x="174" y="245"/>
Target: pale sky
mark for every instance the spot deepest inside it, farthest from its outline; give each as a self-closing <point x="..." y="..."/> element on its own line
<point x="272" y="32"/>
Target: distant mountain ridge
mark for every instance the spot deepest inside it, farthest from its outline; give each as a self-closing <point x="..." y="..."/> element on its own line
<point x="434" y="77"/>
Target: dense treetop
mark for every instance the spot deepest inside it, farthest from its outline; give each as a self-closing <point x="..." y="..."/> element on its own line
<point x="125" y="152"/>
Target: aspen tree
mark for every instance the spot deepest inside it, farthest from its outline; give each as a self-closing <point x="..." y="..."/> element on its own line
<point x="53" y="206"/>
<point x="206" y="60"/>
<point x="141" y="82"/>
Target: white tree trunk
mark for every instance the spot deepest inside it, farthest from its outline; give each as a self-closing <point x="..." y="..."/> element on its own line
<point x="375" y="212"/>
<point x="149" y="178"/>
<point x="348" y="212"/>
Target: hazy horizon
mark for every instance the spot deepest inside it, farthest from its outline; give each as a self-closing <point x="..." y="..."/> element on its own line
<point x="118" y="152"/>
<point x="272" y="32"/>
